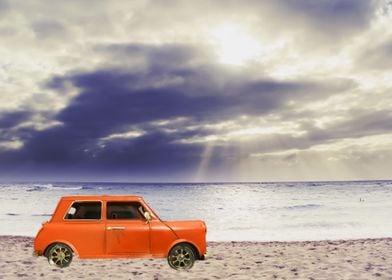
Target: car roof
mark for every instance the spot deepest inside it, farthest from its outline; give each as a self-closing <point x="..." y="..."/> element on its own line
<point x="104" y="197"/>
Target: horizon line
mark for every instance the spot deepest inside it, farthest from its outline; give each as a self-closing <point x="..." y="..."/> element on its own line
<point x="189" y="182"/>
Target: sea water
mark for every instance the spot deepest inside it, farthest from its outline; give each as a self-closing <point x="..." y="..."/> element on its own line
<point x="232" y="211"/>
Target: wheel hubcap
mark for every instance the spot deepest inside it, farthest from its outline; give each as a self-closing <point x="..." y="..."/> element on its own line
<point x="60" y="256"/>
<point x="181" y="258"/>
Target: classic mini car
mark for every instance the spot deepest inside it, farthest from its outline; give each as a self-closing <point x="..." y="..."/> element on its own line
<point x="117" y="227"/>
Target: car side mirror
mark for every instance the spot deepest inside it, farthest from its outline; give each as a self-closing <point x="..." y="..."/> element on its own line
<point x="147" y="215"/>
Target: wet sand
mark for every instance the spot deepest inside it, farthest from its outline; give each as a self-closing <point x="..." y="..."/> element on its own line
<point x="343" y="259"/>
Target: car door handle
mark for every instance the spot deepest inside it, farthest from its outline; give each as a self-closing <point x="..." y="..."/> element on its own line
<point x="115" y="228"/>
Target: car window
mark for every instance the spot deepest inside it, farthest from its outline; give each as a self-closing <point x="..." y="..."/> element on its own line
<point x="86" y="210"/>
<point x="123" y="211"/>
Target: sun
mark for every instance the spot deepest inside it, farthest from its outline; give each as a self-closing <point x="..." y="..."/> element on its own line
<point x="234" y="46"/>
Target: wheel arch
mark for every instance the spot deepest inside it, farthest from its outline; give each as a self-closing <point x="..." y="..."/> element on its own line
<point x="184" y="241"/>
<point x="74" y="251"/>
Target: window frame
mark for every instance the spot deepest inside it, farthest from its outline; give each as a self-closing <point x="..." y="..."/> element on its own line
<point x="140" y="218"/>
<point x="81" y="201"/>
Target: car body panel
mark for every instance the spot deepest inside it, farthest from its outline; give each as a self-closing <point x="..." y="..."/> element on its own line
<point x="103" y="237"/>
<point x="194" y="231"/>
<point x="127" y="237"/>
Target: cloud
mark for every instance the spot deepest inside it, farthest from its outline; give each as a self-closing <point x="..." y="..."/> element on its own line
<point x="142" y="86"/>
<point x="315" y="26"/>
<point x="11" y="119"/>
<point x="365" y="123"/>
<point x="47" y="29"/>
<point x="172" y="90"/>
<point x="377" y="57"/>
<point x="114" y="101"/>
<point x="333" y="16"/>
<point x="4" y="6"/>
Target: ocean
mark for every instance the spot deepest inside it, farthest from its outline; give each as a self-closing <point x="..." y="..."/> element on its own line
<point x="289" y="211"/>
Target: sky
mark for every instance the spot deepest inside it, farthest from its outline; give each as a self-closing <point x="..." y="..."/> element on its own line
<point x="191" y="91"/>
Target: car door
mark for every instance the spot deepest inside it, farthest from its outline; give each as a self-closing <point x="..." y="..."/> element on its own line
<point x="127" y="232"/>
<point x="84" y="227"/>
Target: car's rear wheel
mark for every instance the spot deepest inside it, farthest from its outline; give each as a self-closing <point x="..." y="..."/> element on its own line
<point x="60" y="255"/>
<point x="181" y="256"/>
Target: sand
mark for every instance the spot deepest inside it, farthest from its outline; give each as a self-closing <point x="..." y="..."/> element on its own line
<point x="344" y="259"/>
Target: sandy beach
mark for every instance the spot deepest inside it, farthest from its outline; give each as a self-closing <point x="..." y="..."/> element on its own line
<point x="344" y="259"/>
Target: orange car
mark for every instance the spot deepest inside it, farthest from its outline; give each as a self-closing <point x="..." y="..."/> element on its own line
<point x="117" y="227"/>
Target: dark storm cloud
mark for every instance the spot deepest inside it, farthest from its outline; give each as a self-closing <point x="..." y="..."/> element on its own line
<point x="325" y="24"/>
<point x="167" y="56"/>
<point x="330" y="14"/>
<point x="205" y="93"/>
<point x="11" y="119"/>
<point x="116" y="100"/>
<point x="153" y="150"/>
<point x="111" y="91"/>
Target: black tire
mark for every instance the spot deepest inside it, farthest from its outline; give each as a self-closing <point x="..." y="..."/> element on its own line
<point x="59" y="255"/>
<point x="181" y="256"/>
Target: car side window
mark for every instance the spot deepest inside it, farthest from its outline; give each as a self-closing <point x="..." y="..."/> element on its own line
<point x="84" y="210"/>
<point x="123" y="211"/>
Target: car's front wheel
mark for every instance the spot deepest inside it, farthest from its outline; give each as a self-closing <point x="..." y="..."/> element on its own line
<point x="60" y="255"/>
<point x="181" y="256"/>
